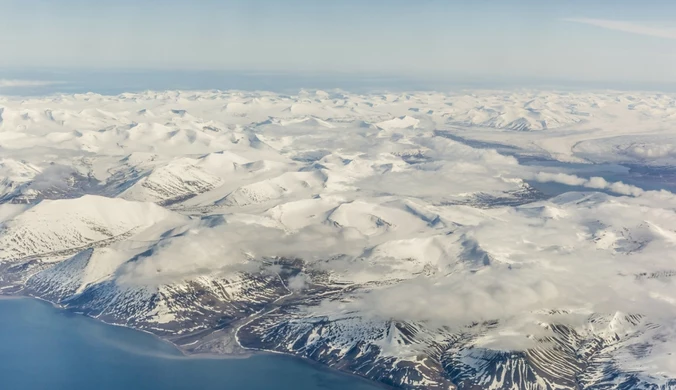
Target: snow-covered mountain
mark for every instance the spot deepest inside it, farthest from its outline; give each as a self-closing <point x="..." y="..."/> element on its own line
<point x="53" y="228"/>
<point x="421" y="240"/>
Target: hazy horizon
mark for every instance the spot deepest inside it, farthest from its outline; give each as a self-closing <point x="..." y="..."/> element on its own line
<point x="27" y="82"/>
<point x="617" y="42"/>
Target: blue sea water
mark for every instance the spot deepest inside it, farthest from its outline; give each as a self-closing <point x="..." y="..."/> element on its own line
<point x="44" y="348"/>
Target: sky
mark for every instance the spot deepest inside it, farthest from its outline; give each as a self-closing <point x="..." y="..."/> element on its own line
<point x="594" y="41"/>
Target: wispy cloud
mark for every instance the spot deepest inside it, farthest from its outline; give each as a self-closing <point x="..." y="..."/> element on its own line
<point x="633" y="28"/>
<point x="14" y="83"/>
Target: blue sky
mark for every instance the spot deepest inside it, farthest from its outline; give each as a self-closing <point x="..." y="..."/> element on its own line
<point x="629" y="41"/>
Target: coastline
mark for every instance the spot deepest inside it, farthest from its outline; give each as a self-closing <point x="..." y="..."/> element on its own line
<point x="184" y="354"/>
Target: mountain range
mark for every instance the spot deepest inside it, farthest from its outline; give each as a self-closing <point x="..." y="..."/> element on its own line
<point x="470" y="240"/>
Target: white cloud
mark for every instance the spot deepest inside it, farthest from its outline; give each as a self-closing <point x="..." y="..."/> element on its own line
<point x="629" y="27"/>
<point x="597" y="183"/>
<point x="17" y="83"/>
<point x="651" y="151"/>
<point x="563" y="178"/>
<point x="298" y="282"/>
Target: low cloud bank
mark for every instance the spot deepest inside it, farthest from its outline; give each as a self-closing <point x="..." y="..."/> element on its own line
<point x="596" y="183"/>
<point x="18" y="83"/>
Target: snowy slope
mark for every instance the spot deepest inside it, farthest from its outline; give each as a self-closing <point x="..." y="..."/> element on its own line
<point x="56" y="227"/>
<point x="175" y="181"/>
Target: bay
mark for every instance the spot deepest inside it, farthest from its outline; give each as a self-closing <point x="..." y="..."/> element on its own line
<point x="44" y="348"/>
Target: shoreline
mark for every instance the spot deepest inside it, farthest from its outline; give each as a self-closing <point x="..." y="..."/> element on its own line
<point x="183" y="354"/>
